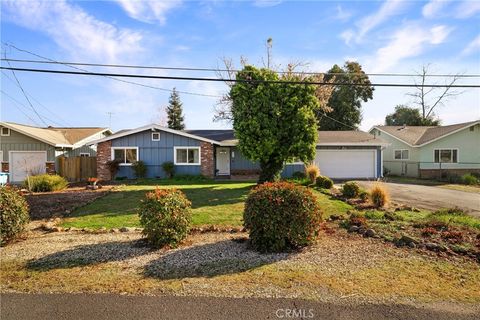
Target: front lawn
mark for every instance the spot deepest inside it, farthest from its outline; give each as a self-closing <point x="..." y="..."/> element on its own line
<point x="213" y="203"/>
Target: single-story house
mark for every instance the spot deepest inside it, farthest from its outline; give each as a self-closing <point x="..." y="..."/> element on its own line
<point x="26" y="149"/>
<point x="431" y="152"/>
<point x="214" y="153"/>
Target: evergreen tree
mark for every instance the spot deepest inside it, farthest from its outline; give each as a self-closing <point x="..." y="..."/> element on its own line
<point x="175" y="112"/>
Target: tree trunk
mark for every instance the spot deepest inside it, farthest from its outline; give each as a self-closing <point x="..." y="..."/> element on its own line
<point x="270" y="171"/>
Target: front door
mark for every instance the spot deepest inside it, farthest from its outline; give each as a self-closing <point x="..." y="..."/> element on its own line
<point x="223" y="161"/>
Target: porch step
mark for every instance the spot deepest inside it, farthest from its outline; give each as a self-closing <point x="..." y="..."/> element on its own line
<point x="222" y="177"/>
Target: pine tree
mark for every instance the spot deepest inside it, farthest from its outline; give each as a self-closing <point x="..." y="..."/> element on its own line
<point x="174" y="112"/>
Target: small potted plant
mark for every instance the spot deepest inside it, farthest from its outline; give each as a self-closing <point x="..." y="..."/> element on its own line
<point x="92" y="183"/>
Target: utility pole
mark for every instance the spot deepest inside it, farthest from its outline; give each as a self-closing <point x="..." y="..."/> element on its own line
<point x="110" y="119"/>
<point x="269" y="51"/>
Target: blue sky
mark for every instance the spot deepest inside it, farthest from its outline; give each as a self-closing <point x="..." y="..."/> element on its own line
<point x="390" y="36"/>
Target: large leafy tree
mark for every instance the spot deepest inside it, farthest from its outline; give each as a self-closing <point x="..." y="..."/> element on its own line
<point x="274" y="122"/>
<point x="405" y="115"/>
<point x="175" y="112"/>
<point x="346" y="100"/>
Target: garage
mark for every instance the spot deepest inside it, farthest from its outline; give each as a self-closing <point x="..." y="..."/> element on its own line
<point x="24" y="163"/>
<point x="347" y="164"/>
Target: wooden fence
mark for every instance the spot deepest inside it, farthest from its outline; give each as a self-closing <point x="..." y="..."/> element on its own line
<point x="77" y="168"/>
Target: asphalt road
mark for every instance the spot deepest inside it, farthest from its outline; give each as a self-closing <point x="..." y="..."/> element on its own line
<point x="431" y="197"/>
<point x="118" y="307"/>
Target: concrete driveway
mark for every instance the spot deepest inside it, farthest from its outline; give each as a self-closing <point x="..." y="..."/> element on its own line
<point x="430" y="197"/>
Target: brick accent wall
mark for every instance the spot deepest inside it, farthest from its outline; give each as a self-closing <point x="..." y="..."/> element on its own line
<point x="439" y="174"/>
<point x="50" y="167"/>
<point x="207" y="166"/>
<point x="5" y="167"/>
<point x="104" y="154"/>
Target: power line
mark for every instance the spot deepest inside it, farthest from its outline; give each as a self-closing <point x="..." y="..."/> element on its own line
<point x="231" y="70"/>
<point x="239" y="80"/>
<point x="72" y="65"/>
<point x="65" y="123"/>
<point x="20" y="109"/>
<point x="21" y="104"/>
<point x="342" y="123"/>
<point x="26" y="97"/>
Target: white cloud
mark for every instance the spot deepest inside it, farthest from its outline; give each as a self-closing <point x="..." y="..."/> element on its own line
<point x="409" y="41"/>
<point x="433" y="8"/>
<point x="347" y="36"/>
<point x="266" y="3"/>
<point x="341" y="14"/>
<point x="467" y="9"/>
<point x="148" y="11"/>
<point x="80" y="34"/>
<point x="473" y="46"/>
<point x="389" y="9"/>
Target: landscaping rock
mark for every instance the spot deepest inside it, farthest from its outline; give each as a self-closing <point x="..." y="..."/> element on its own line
<point x="407" y="240"/>
<point x="370" y="233"/>
<point x="57" y="229"/>
<point x="114" y="230"/>
<point x="362" y="230"/>
<point x="126" y="229"/>
<point x="335" y="217"/>
<point x="435" y="247"/>
<point x="353" y="229"/>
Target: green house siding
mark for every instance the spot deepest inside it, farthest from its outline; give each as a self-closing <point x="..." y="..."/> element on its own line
<point x="465" y="141"/>
<point x="398" y="167"/>
<point x="20" y="142"/>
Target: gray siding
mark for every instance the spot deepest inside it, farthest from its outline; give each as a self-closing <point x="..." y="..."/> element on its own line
<point x="20" y="142"/>
<point x="155" y="153"/>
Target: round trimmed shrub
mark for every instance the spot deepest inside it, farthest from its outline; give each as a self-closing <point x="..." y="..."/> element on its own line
<point x="281" y="216"/>
<point x="324" y="182"/>
<point x="46" y="183"/>
<point x="165" y="217"/>
<point x="350" y="190"/>
<point x="13" y="214"/>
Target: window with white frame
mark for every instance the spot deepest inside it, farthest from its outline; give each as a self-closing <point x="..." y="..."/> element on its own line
<point x="155" y="136"/>
<point x="5" y="132"/>
<point x="445" y="155"/>
<point x="125" y="156"/>
<point x="401" y="154"/>
<point x="187" y="155"/>
<point x="84" y="154"/>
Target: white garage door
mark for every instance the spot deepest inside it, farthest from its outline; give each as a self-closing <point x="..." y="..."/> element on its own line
<point x="346" y="164"/>
<point x="23" y="163"/>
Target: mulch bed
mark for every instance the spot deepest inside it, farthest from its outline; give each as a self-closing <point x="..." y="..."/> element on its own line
<point x="45" y="205"/>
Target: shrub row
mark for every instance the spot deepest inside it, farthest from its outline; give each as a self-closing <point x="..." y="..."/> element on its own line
<point x="45" y="183"/>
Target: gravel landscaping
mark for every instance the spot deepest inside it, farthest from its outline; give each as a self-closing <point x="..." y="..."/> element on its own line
<point x="341" y="267"/>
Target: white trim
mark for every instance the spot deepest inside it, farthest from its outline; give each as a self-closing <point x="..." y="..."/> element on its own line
<point x="156" y="132"/>
<point x="153" y="127"/>
<point x="450" y="133"/>
<point x="87" y="139"/>
<point x="82" y="154"/>
<point x="5" y="135"/>
<point x="112" y="155"/>
<point x="428" y="142"/>
<point x="381" y="163"/>
<point x="439" y="155"/>
<point x="401" y="159"/>
<point x="354" y="144"/>
<point x="375" y="174"/>
<point x="187" y="164"/>
<point x="229" y="161"/>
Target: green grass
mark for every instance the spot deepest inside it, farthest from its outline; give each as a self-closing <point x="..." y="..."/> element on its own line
<point x="218" y="203"/>
<point x="213" y="203"/>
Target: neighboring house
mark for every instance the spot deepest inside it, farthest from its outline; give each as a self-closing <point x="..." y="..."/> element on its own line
<point x="27" y="150"/>
<point x="431" y="152"/>
<point x="340" y="154"/>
